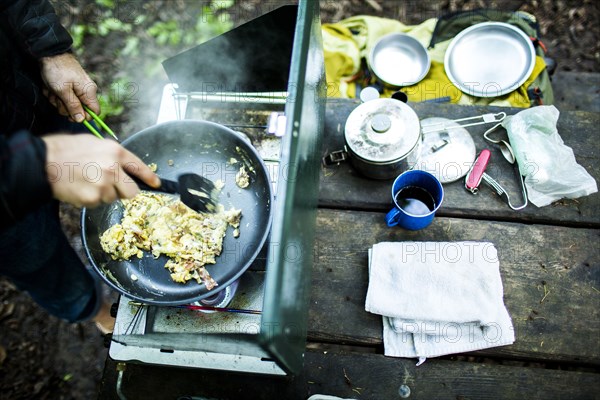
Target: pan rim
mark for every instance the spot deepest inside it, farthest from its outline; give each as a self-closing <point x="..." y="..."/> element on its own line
<point x="222" y="284"/>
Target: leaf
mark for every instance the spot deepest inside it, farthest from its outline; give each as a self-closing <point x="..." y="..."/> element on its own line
<point x="222" y="4"/>
<point x="131" y="46"/>
<point x="78" y="33"/>
<point x="112" y="24"/>
<point x="106" y="3"/>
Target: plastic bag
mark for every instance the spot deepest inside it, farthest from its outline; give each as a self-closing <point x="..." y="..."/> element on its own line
<point x="548" y="165"/>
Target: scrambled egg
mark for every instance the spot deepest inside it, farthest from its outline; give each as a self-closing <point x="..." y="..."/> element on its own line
<point x="163" y="225"/>
<point x="242" y="179"/>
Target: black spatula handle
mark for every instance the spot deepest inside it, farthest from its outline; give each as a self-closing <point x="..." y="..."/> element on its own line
<point x="166" y="186"/>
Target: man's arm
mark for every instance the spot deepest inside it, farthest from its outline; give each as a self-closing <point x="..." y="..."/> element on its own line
<point x="33" y="170"/>
<point x="36" y="29"/>
<point x="24" y="184"/>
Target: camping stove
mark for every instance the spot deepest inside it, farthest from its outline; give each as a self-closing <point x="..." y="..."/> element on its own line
<point x="265" y="79"/>
<point x="235" y="309"/>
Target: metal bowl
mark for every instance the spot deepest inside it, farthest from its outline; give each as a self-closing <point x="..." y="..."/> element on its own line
<point x="399" y="60"/>
<point x="489" y="59"/>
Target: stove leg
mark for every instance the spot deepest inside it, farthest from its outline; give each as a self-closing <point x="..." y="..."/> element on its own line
<point x="121" y="369"/>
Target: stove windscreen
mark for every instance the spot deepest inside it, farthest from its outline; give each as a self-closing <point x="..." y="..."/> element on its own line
<point x="291" y="254"/>
<point x="254" y="57"/>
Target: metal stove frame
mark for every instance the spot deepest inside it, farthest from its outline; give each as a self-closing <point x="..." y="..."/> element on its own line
<point x="273" y="342"/>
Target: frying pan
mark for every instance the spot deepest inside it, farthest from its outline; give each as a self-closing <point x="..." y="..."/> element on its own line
<point x="179" y="147"/>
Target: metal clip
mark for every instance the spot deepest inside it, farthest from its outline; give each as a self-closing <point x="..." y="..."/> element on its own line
<point x="335" y="157"/>
<point x="505" y="147"/>
<point x="276" y="124"/>
<point x="485" y="119"/>
<point x="444" y="141"/>
<point x="477" y="174"/>
<point x="501" y="192"/>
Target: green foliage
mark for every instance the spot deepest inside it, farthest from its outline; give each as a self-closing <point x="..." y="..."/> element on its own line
<point x="112" y="25"/>
<point x="106" y="3"/>
<point x="78" y="33"/>
<point x="132" y="44"/>
<point x="167" y="32"/>
<point x="109" y="107"/>
<point x="121" y="93"/>
<point x="223" y="4"/>
<point x="207" y="25"/>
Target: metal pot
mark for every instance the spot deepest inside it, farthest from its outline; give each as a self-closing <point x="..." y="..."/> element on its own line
<point x="380" y="134"/>
<point x="177" y="147"/>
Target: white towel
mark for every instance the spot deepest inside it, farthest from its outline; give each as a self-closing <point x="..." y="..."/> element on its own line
<point x="438" y="298"/>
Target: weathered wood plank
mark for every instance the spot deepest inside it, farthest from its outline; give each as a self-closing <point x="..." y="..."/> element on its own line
<point x="551" y="278"/>
<point x="342" y="187"/>
<point x="366" y="376"/>
<point x="356" y="376"/>
<point x="576" y="90"/>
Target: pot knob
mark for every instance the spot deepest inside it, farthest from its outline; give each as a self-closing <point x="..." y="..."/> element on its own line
<point x="381" y="123"/>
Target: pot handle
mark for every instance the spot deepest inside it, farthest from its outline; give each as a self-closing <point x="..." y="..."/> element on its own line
<point x="335" y="157"/>
<point x="400" y="96"/>
<point x="391" y="218"/>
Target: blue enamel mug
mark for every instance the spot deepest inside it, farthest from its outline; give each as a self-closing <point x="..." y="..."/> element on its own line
<point x="417" y="195"/>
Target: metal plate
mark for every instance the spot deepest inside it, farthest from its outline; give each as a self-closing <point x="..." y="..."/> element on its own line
<point x="399" y="60"/>
<point x="446" y="154"/>
<point x="489" y="59"/>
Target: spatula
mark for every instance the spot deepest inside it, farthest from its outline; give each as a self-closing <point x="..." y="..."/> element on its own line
<point x="195" y="191"/>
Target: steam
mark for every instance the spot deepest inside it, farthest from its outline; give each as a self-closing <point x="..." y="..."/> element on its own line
<point x="254" y="57"/>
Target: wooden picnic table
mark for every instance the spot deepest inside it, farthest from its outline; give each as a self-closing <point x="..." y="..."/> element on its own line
<point x="550" y="268"/>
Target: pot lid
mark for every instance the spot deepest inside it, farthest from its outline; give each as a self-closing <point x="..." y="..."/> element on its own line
<point x="447" y="154"/>
<point x="382" y="130"/>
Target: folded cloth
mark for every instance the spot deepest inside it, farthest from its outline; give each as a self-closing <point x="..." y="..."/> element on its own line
<point x="438" y="298"/>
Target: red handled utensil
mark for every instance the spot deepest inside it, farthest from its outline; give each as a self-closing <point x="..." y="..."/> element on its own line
<point x="477" y="171"/>
<point x="477" y="174"/>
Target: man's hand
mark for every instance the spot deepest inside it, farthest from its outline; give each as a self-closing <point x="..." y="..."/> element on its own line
<point x="69" y="86"/>
<point x="86" y="171"/>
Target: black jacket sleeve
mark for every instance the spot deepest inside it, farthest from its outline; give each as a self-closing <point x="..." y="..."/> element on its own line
<point x="23" y="180"/>
<point x="35" y="27"/>
<point x="32" y="29"/>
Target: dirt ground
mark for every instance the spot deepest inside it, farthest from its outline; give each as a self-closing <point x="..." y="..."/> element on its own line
<point x="42" y="357"/>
